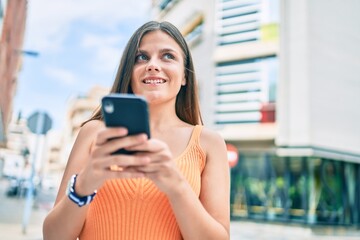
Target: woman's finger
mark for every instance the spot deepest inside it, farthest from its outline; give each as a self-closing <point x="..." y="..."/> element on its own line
<point x="109" y="133"/>
<point x="125" y="161"/>
<point x="128" y="172"/>
<point x="118" y="143"/>
<point x="152" y="145"/>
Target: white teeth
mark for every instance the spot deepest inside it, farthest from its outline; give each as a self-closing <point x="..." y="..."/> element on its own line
<point x="154" y="81"/>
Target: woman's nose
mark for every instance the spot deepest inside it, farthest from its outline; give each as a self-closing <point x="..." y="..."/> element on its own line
<point x="152" y="66"/>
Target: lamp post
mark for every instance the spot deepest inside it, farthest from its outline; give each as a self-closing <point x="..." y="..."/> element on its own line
<point x="27" y="52"/>
<point x="30" y="190"/>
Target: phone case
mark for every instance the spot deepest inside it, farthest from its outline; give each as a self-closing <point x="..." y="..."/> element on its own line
<point x="126" y="110"/>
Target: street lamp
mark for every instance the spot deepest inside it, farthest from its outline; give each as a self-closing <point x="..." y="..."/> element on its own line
<point x="27" y="52"/>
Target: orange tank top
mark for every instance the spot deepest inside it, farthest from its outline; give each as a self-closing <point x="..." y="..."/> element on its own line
<point x="132" y="209"/>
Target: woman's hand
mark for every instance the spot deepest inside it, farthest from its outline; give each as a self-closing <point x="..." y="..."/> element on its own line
<point x="103" y="165"/>
<point x="161" y="168"/>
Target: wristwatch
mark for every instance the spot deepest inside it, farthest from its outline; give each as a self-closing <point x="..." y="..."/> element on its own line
<point x="79" y="200"/>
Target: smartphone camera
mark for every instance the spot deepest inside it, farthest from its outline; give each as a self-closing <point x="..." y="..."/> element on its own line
<point x="108" y="107"/>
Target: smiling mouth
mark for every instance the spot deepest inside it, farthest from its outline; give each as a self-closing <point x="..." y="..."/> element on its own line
<point x="154" y="81"/>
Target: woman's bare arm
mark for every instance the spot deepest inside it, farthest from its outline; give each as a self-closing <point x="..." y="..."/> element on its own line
<point x="91" y="158"/>
<point x="210" y="217"/>
<point x="66" y="219"/>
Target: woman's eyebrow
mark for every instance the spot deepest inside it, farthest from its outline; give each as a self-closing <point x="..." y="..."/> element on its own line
<point x="141" y="51"/>
<point x="168" y="50"/>
<point x="161" y="50"/>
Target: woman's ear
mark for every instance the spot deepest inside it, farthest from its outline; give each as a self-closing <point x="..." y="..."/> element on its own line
<point x="183" y="82"/>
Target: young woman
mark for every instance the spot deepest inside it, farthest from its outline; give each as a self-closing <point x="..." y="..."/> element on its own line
<point x="176" y="186"/>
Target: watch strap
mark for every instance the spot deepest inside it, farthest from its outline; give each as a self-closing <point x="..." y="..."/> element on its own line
<point x="71" y="193"/>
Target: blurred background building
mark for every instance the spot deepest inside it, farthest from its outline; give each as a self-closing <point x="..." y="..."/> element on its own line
<point x="80" y="109"/>
<point x="12" y="28"/>
<point x="280" y="80"/>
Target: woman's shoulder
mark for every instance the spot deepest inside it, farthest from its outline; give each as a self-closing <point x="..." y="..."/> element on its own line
<point x="211" y="139"/>
<point x="86" y="136"/>
<point x="92" y="125"/>
<point x="90" y="128"/>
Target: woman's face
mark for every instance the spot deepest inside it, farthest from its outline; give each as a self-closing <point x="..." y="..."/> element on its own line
<point x="159" y="68"/>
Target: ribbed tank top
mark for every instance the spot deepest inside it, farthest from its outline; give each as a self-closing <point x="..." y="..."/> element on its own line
<point x="135" y="209"/>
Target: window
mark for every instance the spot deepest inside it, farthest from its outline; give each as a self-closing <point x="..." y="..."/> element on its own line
<point x="242" y="89"/>
<point x="241" y="21"/>
<point x="192" y="32"/>
<point x="165" y="4"/>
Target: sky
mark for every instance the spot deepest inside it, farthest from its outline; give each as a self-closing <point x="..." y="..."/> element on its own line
<point x="79" y="44"/>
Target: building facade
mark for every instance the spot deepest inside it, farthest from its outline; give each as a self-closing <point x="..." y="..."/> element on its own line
<point x="280" y="80"/>
<point x="12" y="25"/>
<point x="80" y="109"/>
<point x="13" y="158"/>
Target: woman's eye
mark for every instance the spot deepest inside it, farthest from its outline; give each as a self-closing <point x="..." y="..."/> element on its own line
<point x="168" y="56"/>
<point x="141" y="57"/>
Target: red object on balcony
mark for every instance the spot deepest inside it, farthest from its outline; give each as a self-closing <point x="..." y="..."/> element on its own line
<point x="233" y="155"/>
<point x="268" y="112"/>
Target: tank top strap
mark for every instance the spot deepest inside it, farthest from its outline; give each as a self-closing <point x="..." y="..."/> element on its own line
<point x="195" y="141"/>
<point x="196" y="133"/>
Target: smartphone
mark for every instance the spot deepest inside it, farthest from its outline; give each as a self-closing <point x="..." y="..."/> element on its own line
<point x="126" y="110"/>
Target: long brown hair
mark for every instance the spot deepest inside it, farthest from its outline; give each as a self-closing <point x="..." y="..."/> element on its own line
<point x="187" y="103"/>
